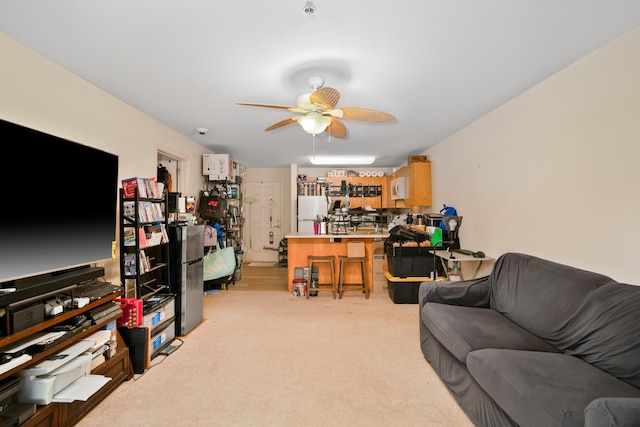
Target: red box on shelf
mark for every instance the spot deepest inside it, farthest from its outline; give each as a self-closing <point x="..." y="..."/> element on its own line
<point x="131" y="312"/>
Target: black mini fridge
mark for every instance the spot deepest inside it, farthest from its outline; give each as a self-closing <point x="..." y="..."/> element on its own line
<point x="186" y="252"/>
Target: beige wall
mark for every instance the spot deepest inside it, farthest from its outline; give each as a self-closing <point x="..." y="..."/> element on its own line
<point x="554" y="172"/>
<point x="37" y="93"/>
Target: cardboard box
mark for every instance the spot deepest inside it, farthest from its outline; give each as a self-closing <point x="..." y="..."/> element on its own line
<point x="413" y="159"/>
<point x="379" y="267"/>
<point x="219" y="167"/>
<point x="355" y="249"/>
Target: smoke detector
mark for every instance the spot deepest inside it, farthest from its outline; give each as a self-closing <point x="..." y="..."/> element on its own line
<point x="309" y="9"/>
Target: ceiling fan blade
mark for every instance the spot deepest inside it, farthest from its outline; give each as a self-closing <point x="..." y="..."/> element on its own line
<point x="283" y="123"/>
<point x="327" y="97"/>
<point x="282" y="107"/>
<point x="336" y="128"/>
<point x="362" y="114"/>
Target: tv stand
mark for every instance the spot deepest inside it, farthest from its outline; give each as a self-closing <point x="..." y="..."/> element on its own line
<point x="117" y="367"/>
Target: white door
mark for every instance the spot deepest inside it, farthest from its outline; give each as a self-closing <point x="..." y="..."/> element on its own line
<point x="263" y="210"/>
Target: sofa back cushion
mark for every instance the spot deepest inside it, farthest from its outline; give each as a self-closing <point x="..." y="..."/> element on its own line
<point x="539" y="295"/>
<point x="582" y="313"/>
<point x="605" y="331"/>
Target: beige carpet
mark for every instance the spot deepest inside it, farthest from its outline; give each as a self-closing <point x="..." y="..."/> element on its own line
<point x="272" y="359"/>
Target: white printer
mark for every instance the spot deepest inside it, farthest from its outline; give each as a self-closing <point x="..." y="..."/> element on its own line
<point x="62" y="377"/>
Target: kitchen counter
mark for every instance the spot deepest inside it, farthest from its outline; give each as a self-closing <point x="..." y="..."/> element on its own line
<point x="300" y="245"/>
<point x="380" y="236"/>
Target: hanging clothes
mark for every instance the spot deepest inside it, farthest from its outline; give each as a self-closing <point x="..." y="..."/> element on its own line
<point x="163" y="175"/>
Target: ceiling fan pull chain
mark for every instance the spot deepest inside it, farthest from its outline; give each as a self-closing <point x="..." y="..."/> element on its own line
<point x="314" y="145"/>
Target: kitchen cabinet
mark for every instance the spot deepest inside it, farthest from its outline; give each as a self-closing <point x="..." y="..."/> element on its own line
<point x="417" y="176"/>
<point x="387" y="202"/>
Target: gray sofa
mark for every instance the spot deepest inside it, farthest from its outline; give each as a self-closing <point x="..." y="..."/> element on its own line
<point x="536" y="343"/>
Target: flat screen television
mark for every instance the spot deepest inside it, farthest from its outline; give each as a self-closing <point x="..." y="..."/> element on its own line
<point x="60" y="204"/>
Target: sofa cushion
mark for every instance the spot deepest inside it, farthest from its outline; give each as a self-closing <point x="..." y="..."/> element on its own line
<point x="470" y="293"/>
<point x="463" y="329"/>
<point x="604" y="331"/>
<point x="543" y="389"/>
<point x="613" y="412"/>
<point x="539" y="295"/>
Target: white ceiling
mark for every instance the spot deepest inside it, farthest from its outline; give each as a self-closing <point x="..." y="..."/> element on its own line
<point x="435" y="65"/>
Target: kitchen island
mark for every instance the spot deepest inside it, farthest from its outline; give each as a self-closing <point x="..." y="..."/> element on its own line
<point x="300" y="245"/>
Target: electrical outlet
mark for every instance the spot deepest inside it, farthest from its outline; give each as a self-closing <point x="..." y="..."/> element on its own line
<point x="113" y="249"/>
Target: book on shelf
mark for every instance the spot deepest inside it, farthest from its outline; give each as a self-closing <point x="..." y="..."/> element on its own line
<point x="130" y="185"/>
<point x="147" y="188"/>
<point x="144" y="261"/>
<point x="143" y="238"/>
<point x="130" y="264"/>
<point x="157" y="234"/>
<point x="165" y="235"/>
<point x="153" y="185"/>
<point x="129" y="209"/>
<point x="158" y="214"/>
<point x="130" y="236"/>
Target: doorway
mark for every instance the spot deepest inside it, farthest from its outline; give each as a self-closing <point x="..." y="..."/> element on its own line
<point x="263" y="210"/>
<point x="173" y="168"/>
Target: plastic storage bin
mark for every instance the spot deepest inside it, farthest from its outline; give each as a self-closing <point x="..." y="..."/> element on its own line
<point x="404" y="290"/>
<point x="411" y="261"/>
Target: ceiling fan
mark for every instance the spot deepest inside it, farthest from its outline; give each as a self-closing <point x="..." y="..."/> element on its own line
<point x="319" y="112"/>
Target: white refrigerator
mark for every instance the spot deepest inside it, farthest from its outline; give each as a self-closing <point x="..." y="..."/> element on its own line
<point x="309" y="208"/>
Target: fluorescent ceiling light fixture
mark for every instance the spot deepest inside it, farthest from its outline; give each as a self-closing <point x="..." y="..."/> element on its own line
<point x="314" y="123"/>
<point x="342" y="160"/>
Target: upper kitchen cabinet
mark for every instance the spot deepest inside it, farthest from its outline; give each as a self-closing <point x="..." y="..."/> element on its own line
<point x="417" y="178"/>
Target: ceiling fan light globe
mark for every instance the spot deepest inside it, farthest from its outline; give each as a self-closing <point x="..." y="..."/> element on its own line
<point x="314" y="124"/>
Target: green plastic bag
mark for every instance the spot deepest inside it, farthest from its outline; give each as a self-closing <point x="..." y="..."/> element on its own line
<point x="437" y="236"/>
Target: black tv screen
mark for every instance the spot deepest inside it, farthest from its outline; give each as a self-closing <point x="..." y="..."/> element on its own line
<point x="60" y="203"/>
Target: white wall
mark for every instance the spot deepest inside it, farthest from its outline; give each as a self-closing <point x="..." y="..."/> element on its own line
<point x="554" y="172"/>
<point x="37" y="93"/>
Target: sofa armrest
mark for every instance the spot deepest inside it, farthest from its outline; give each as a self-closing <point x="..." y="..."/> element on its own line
<point x="471" y="293"/>
<point x="612" y="411"/>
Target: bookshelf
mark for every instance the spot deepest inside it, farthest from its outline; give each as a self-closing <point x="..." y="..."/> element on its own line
<point x="144" y="241"/>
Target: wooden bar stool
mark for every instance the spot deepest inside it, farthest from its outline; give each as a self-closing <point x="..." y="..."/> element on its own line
<point x="322" y="286"/>
<point x="355" y="255"/>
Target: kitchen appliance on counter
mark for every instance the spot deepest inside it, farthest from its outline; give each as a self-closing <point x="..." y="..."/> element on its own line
<point x="340" y="222"/>
<point x="186" y="252"/>
<point x="367" y="222"/>
<point x="310" y="208"/>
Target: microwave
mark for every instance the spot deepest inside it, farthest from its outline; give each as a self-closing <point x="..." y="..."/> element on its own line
<point x="398" y="188"/>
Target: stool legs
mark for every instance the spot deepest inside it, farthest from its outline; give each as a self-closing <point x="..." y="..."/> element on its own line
<point x="362" y="285"/>
<point x="322" y="286"/>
